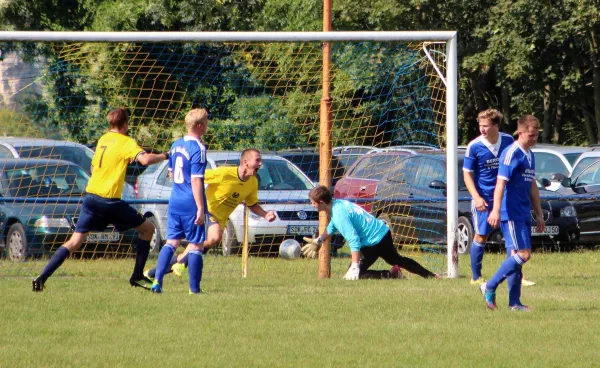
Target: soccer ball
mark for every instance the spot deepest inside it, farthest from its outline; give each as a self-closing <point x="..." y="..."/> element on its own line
<point x="289" y="249"/>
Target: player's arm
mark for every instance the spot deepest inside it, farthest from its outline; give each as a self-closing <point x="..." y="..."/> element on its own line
<point x="480" y="203"/>
<point x="198" y="192"/>
<point x="258" y="210"/>
<point x="146" y="159"/>
<point x="494" y="216"/>
<point x="537" y="206"/>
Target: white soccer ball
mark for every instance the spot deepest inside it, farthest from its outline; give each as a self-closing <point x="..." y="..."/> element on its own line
<point x="289" y="249"/>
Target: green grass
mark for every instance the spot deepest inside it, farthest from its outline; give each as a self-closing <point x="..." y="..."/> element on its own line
<point x="90" y="317"/>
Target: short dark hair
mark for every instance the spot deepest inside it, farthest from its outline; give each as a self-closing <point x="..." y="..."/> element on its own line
<point x="528" y="119"/>
<point x="117" y="118"/>
<point x="320" y="194"/>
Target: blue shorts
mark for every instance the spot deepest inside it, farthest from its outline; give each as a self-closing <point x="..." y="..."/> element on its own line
<point x="517" y="235"/>
<point x="480" y="218"/>
<point x="183" y="227"/>
<point x="98" y="212"/>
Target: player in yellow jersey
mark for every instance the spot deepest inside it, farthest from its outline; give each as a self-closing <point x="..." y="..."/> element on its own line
<point x="227" y="187"/>
<point x="102" y="204"/>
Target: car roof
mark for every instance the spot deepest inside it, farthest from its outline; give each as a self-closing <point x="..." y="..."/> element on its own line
<point x="557" y="148"/>
<point x="231" y="155"/>
<point x="20" y="142"/>
<point x="20" y="162"/>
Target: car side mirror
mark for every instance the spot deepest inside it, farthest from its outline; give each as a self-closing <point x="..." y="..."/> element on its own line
<point x="437" y="184"/>
<point x="545" y="182"/>
<point x="562" y="179"/>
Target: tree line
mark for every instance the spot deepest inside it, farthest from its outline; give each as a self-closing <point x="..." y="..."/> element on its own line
<point x="519" y="56"/>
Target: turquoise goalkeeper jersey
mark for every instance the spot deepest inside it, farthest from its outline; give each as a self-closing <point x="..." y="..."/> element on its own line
<point x="357" y="226"/>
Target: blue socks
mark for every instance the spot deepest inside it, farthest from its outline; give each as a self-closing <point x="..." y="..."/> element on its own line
<point x="57" y="259"/>
<point x="477" y="251"/>
<point x="195" y="265"/>
<point x="514" y="284"/>
<point x="510" y="266"/>
<point x="164" y="262"/>
<point x="152" y="272"/>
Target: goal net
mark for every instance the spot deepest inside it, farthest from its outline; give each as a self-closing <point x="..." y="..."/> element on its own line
<point x="389" y="136"/>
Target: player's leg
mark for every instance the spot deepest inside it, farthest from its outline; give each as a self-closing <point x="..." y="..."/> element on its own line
<point x="514" y="282"/>
<point x="214" y="236"/>
<point x="175" y="232"/>
<point x="90" y="218"/>
<point x="196" y="235"/>
<point x="388" y="252"/>
<point x="518" y="236"/>
<point x="482" y="230"/>
<point x="125" y="217"/>
<point x="57" y="260"/>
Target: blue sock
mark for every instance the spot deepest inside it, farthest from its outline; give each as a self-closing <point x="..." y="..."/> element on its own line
<point x="476" y="259"/>
<point x="57" y="259"/>
<point x="195" y="265"/>
<point x="152" y="272"/>
<point x="507" y="268"/>
<point x="514" y="287"/>
<point x="163" y="262"/>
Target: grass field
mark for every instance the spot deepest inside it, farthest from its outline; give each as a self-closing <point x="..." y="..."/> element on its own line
<point x="90" y="317"/>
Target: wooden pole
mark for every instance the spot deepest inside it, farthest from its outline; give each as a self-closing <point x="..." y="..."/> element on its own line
<point x="325" y="141"/>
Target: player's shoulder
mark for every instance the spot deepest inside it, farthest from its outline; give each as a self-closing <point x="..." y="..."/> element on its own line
<point x="511" y="152"/>
<point x="474" y="145"/>
<point x="194" y="143"/>
<point x="506" y="138"/>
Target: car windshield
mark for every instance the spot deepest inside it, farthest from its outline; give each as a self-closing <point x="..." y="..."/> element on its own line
<point x="347" y="160"/>
<point x="572" y="157"/>
<point x="375" y="166"/>
<point x="309" y="164"/>
<point x="75" y="154"/>
<point x="51" y="180"/>
<point x="275" y="175"/>
<point x="582" y="165"/>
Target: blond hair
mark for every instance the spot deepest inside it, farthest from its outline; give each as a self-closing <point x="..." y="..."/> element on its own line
<point x="196" y="117"/>
<point x="492" y="115"/>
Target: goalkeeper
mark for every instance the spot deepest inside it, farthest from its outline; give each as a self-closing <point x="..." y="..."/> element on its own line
<point x="227" y="187"/>
<point x="369" y="238"/>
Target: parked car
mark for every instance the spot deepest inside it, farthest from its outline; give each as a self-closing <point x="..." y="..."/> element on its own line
<point x="283" y="188"/>
<point x="308" y="162"/>
<point x="37" y="228"/>
<point x="53" y="149"/>
<point x="411" y="197"/>
<point x="584" y="182"/>
<point x="554" y="158"/>
<point x="347" y="155"/>
<point x="361" y="179"/>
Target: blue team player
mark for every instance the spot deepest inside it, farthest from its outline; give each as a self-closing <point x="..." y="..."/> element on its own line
<point x="187" y="204"/>
<point x="368" y="237"/>
<point x="480" y="171"/>
<point x="516" y="191"/>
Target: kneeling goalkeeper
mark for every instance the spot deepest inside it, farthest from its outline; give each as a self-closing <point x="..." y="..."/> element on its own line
<point x="366" y="236"/>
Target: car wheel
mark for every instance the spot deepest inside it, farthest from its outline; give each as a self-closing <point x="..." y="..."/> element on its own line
<point x="465" y="235"/>
<point x="386" y="218"/>
<point x="229" y="243"/>
<point x="16" y="243"/>
<point x="157" y="240"/>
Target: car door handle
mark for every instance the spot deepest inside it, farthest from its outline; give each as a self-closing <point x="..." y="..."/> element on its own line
<point x="363" y="188"/>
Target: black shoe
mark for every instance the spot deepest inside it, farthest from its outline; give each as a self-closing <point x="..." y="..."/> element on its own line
<point x="37" y="284"/>
<point x="142" y="282"/>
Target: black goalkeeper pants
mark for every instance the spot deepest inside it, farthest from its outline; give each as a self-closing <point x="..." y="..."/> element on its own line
<point x="386" y="250"/>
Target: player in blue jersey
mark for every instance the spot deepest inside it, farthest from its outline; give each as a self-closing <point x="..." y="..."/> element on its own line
<point x="516" y="191"/>
<point x="187" y="204"/>
<point x="480" y="171"/>
<point x="368" y="237"/>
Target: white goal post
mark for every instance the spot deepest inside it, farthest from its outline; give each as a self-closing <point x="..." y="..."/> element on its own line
<point x="451" y="92"/>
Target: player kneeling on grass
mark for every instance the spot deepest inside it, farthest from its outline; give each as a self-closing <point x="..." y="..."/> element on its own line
<point x="368" y="237"/>
<point x="226" y="188"/>
<point x="103" y="205"/>
<point x="187" y="203"/>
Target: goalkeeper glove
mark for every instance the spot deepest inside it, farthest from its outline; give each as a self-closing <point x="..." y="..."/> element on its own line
<point x="353" y="271"/>
<point x="311" y="247"/>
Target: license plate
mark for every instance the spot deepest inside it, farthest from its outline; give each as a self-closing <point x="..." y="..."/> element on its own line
<point x="548" y="230"/>
<point x="102" y="237"/>
<point x="302" y="229"/>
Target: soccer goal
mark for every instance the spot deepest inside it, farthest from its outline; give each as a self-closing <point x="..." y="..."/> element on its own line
<point x="393" y="99"/>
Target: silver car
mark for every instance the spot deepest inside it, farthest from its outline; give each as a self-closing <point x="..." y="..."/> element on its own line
<point x="283" y="188"/>
<point x="17" y="147"/>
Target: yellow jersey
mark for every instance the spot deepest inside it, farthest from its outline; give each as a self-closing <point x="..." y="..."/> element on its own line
<point x="225" y="191"/>
<point x="113" y="152"/>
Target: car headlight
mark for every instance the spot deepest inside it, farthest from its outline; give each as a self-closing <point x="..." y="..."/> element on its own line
<point x="568" y="211"/>
<point x="46" y="221"/>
